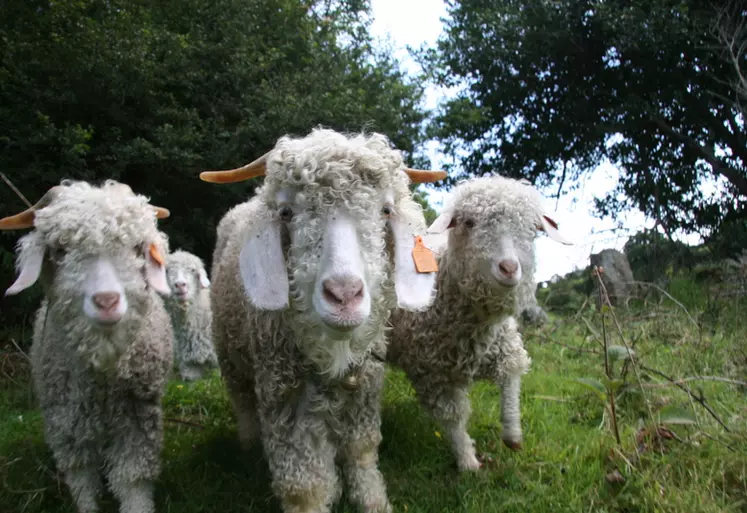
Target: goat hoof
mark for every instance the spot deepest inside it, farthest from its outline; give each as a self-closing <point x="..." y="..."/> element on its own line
<point x="514" y="446"/>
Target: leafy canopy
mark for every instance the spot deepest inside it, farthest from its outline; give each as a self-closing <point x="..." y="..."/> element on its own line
<point x="152" y="93"/>
<point x="550" y="88"/>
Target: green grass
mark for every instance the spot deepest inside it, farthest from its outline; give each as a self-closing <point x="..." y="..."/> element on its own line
<point x="568" y="450"/>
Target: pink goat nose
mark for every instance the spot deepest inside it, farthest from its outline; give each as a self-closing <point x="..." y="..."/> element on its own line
<point x="180" y="285"/>
<point x="106" y="300"/>
<point x="508" y="267"/>
<point x="343" y="291"/>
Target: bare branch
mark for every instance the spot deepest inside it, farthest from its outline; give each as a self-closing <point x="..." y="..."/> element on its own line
<point x="14" y="189"/>
<point x="730" y="29"/>
<point x="734" y="176"/>
<point x="185" y="422"/>
<point x="12" y="341"/>
<point x="647" y="284"/>
<point x="633" y="360"/>
<point x="573" y="348"/>
<point x="690" y="393"/>
<point x="697" y="378"/>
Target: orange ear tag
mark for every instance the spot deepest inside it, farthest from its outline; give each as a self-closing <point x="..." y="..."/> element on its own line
<point x="425" y="262"/>
<point x="155" y="254"/>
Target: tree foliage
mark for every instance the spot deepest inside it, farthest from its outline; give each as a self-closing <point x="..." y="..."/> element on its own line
<point x="550" y="88"/>
<point x="422" y="198"/>
<point x="151" y="93"/>
<point x="655" y="258"/>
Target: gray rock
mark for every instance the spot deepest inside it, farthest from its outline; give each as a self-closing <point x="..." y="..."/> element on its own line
<point x="617" y="275"/>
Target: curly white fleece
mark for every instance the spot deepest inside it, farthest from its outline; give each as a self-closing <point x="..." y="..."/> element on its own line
<point x="282" y="368"/>
<point x="469" y="333"/>
<point x="100" y="390"/>
<point x="191" y="318"/>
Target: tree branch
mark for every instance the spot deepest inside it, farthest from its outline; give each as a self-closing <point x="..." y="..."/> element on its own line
<point x="734" y="176"/>
<point x="730" y="29"/>
<point x="15" y="189"/>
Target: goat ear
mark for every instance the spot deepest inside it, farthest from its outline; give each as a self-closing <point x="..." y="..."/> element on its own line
<point x="155" y="270"/>
<point x="550" y="227"/>
<point x="437" y="242"/>
<point x="443" y="222"/>
<point x="29" y="263"/>
<point x="202" y="278"/>
<point x="262" y="267"/>
<point x="415" y="290"/>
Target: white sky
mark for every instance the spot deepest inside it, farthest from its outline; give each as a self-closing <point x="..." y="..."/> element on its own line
<point x="414" y="22"/>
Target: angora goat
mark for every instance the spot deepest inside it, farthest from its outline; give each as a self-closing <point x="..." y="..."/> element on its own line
<point x="102" y="345"/>
<point x="470" y="333"/>
<point x="304" y="277"/>
<point x="191" y="318"/>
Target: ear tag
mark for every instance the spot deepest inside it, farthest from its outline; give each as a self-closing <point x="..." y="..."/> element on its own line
<point x="425" y="262"/>
<point x="155" y="254"/>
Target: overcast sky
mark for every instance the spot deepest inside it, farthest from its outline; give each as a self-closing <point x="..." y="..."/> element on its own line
<point x="414" y="22"/>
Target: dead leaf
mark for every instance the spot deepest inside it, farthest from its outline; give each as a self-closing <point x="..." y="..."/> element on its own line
<point x="614" y="477"/>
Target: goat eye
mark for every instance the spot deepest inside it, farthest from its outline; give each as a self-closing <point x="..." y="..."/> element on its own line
<point x="286" y="213"/>
<point x="469" y="223"/>
<point x="386" y="210"/>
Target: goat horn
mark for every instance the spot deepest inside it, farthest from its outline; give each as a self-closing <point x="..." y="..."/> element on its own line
<point x="26" y="218"/>
<point x="420" y="176"/>
<point x="161" y="213"/>
<point x="251" y="170"/>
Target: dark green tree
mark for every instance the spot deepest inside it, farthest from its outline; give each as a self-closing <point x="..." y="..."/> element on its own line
<point x="422" y="198"/>
<point x="551" y="88"/>
<point x="152" y="93"/>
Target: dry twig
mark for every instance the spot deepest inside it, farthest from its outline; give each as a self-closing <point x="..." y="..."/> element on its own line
<point x="697" y="378"/>
<point x="12" y="341"/>
<point x="14" y="189"/>
<point x="670" y="297"/>
<point x="579" y="349"/>
<point x="700" y="400"/>
<point x="185" y="422"/>
<point x="597" y="272"/>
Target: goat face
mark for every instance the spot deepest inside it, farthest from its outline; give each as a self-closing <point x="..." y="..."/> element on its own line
<point x="97" y="249"/>
<point x="186" y="276"/>
<point x="492" y="225"/>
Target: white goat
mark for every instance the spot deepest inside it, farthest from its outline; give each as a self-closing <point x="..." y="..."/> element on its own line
<point x="304" y="276"/>
<point x="189" y="308"/>
<point x="470" y="333"/>
<point x="102" y="346"/>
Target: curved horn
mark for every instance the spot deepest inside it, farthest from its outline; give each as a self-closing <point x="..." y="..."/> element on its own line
<point x="251" y="170"/>
<point x="161" y="213"/>
<point x="420" y="176"/>
<point x="26" y="218"/>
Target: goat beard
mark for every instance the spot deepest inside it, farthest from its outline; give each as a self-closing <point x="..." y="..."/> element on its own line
<point x="103" y="350"/>
<point x="332" y="354"/>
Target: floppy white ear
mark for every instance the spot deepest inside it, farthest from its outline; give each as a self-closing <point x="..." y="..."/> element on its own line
<point x="262" y="267"/>
<point x="29" y="263"/>
<point x="155" y="270"/>
<point x="442" y="222"/>
<point x="415" y="291"/>
<point x="550" y="227"/>
<point x="437" y="242"/>
<point x="202" y="278"/>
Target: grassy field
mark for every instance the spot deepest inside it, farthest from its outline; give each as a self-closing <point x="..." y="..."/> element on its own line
<point x="570" y="461"/>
